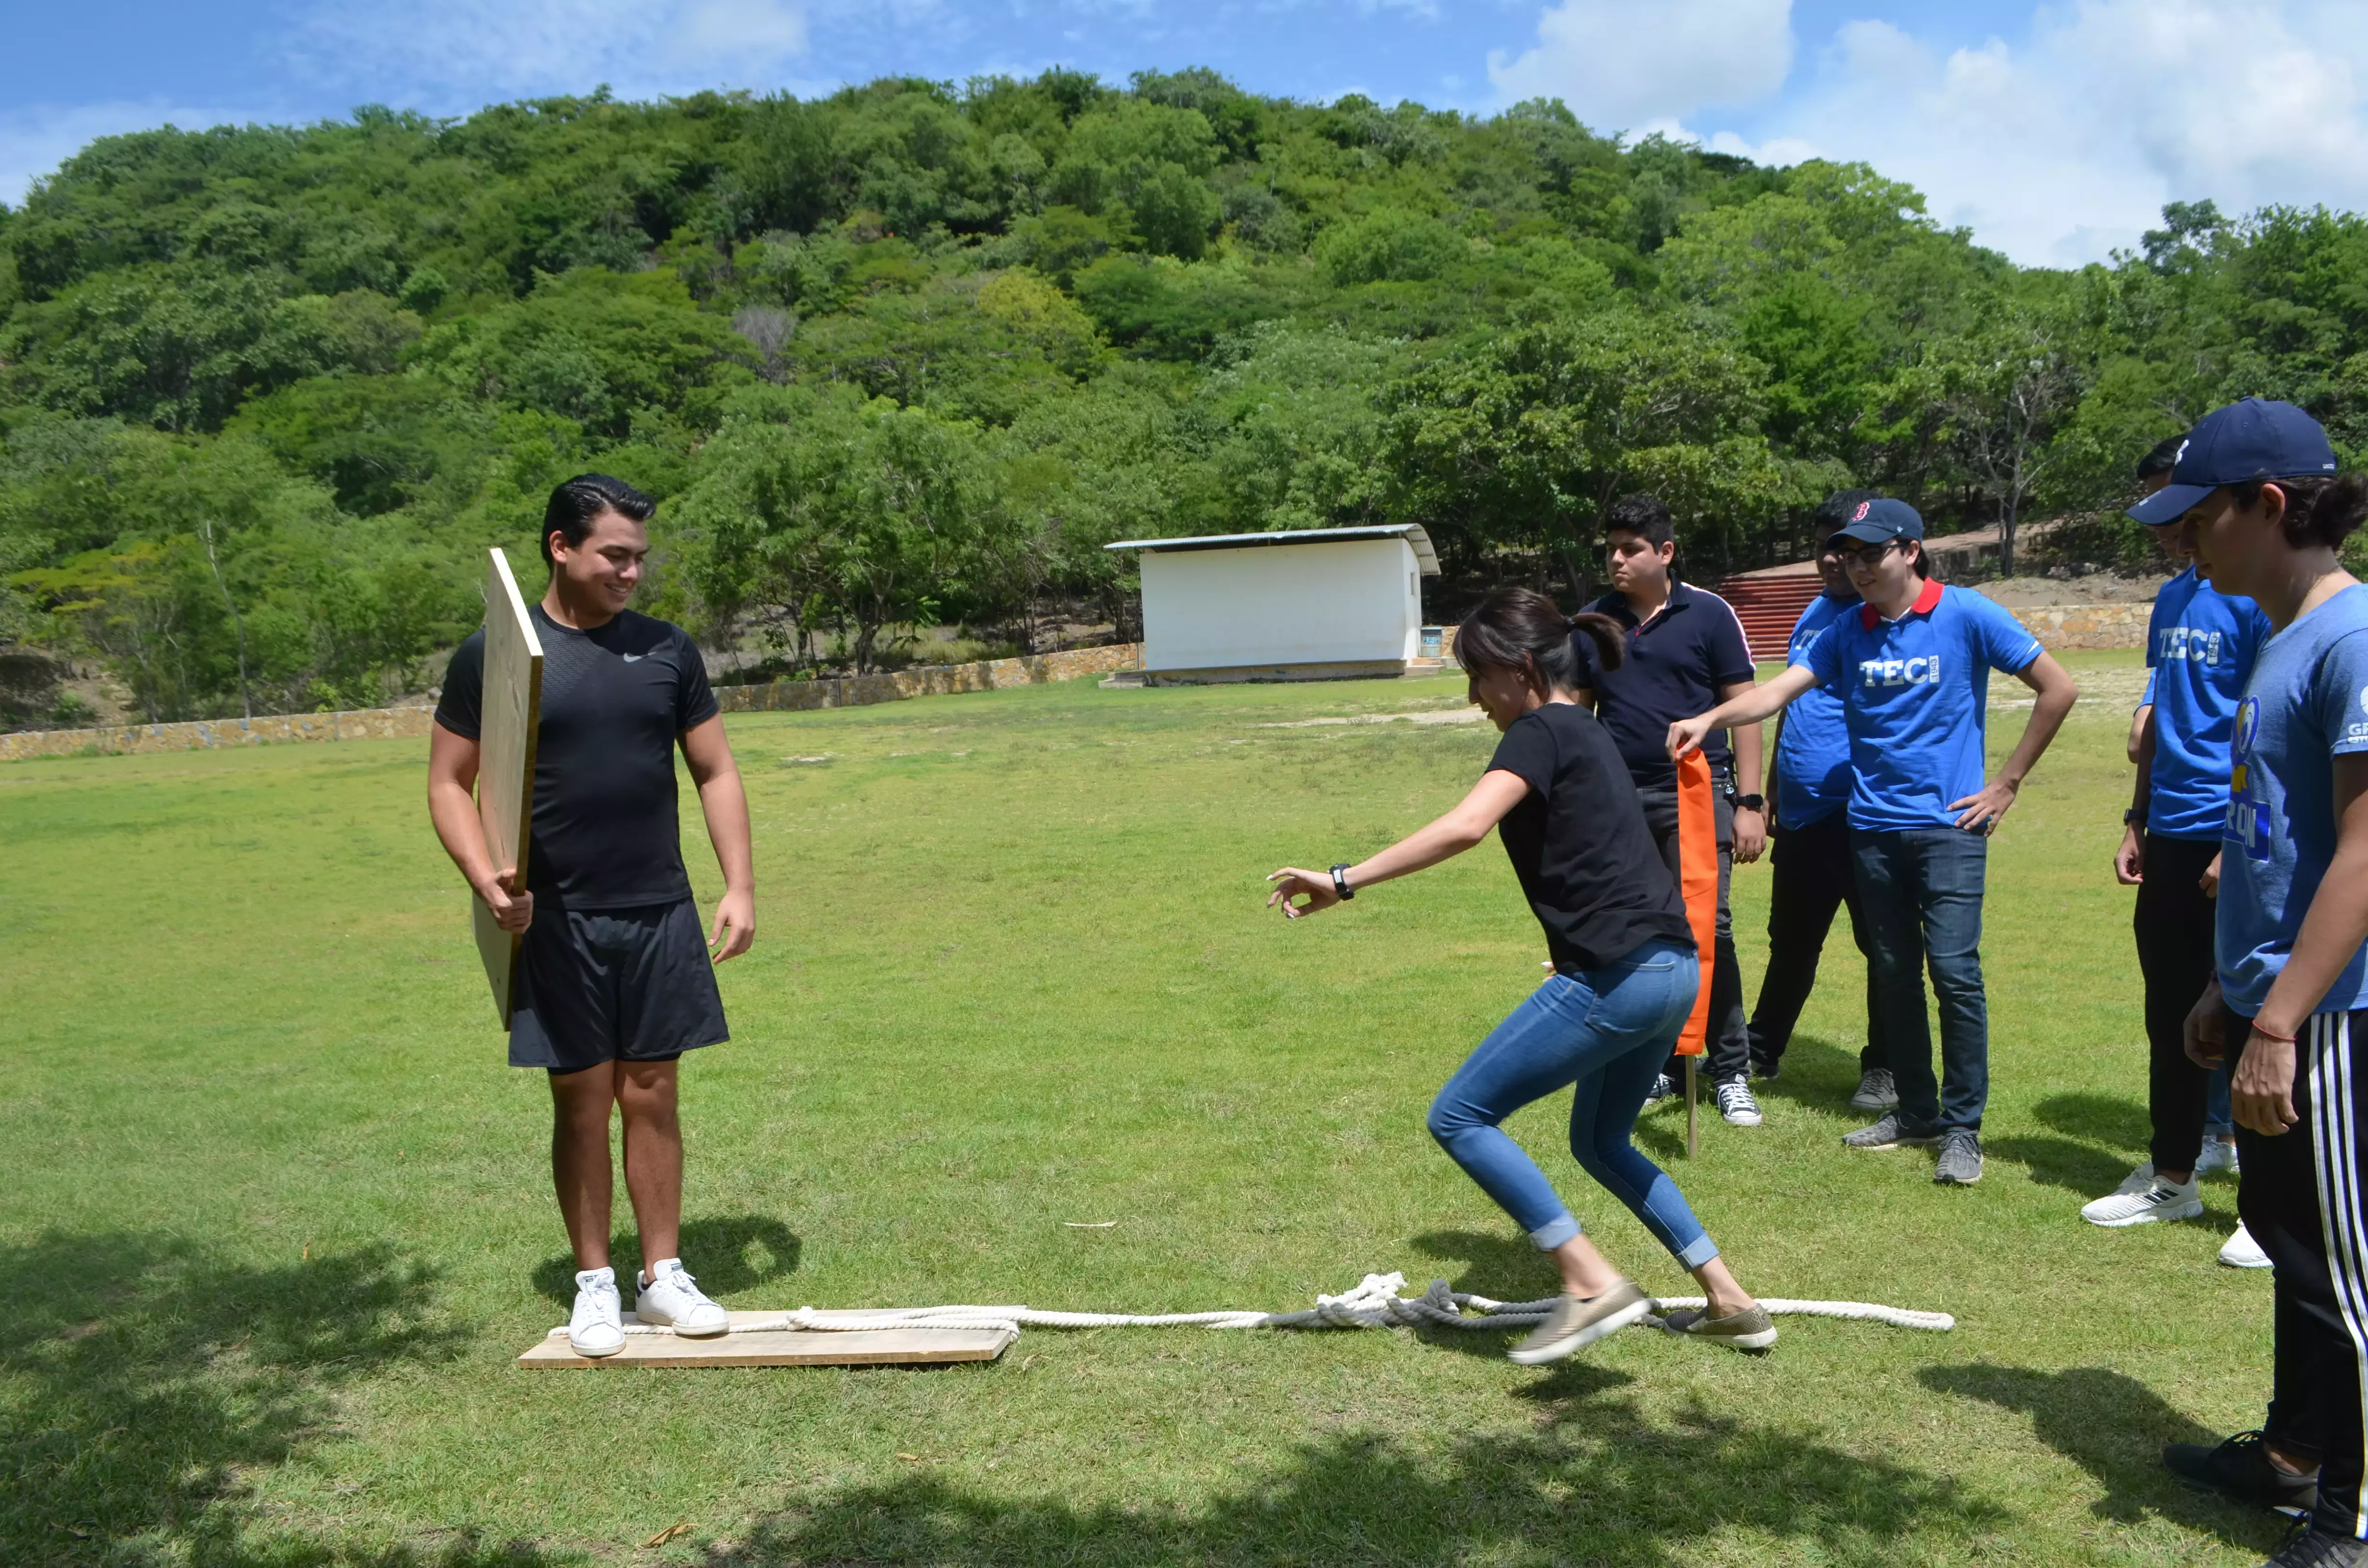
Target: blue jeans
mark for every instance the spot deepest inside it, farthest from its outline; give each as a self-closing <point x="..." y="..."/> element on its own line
<point x="1923" y="889"/>
<point x="1605" y="1032"/>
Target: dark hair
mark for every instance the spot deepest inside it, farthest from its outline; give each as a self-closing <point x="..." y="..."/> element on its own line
<point x="1643" y="516"/>
<point x="1833" y="513"/>
<point x="2321" y="509"/>
<point x="1517" y="628"/>
<point x="578" y="503"/>
<point x="2162" y="456"/>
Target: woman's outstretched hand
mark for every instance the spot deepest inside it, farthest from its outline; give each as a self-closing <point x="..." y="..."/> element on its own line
<point x="1317" y="885"/>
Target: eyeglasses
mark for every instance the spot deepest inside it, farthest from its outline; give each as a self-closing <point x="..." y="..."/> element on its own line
<point x="1866" y="555"/>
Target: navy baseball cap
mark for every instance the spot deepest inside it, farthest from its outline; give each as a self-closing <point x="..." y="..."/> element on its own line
<point x="2253" y="440"/>
<point x="1880" y="520"/>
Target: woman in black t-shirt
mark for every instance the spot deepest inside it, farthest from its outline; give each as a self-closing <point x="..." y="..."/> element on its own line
<point x="1625" y="972"/>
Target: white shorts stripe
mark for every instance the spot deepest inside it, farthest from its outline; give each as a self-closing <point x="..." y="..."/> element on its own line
<point x="2335" y="1150"/>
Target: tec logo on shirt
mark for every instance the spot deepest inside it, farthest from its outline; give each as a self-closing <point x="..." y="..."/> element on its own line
<point x="2249" y="809"/>
<point x="2187" y="642"/>
<point x="2356" y="730"/>
<point x="1922" y="670"/>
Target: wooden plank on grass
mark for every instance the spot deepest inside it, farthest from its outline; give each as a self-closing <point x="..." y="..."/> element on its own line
<point x="787" y="1347"/>
<point x="510" y="716"/>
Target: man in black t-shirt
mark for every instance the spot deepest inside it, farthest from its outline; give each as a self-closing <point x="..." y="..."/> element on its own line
<point x="1685" y="644"/>
<point x="614" y="981"/>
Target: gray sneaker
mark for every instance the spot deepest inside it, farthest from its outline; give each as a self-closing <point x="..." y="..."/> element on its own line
<point x="1574" y="1324"/>
<point x="1876" y="1090"/>
<point x="1961" y="1158"/>
<point x="1890" y="1132"/>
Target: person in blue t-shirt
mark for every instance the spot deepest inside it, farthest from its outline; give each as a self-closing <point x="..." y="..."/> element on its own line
<point x="2257" y="494"/>
<point x="1912" y="667"/>
<point x="1810" y="855"/>
<point x="2201" y="645"/>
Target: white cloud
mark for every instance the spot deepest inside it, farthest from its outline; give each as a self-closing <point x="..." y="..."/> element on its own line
<point x="35" y="139"/>
<point x="454" y="51"/>
<point x="2063" y="148"/>
<point x="1620" y="65"/>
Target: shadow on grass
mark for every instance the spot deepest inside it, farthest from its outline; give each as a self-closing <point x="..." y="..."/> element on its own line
<point x="735" y="1252"/>
<point x="145" y="1379"/>
<point x="1597" y="1482"/>
<point x="2119" y="1123"/>
<point x="1818" y="1075"/>
<point x="2115" y="1428"/>
<point x="2105" y="1135"/>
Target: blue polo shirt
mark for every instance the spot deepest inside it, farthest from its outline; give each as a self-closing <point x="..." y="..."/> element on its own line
<point x="1915" y="692"/>
<point x="1676" y="663"/>
<point x="2200" y="646"/>
<point x="1813" y="756"/>
<point x="2306" y="705"/>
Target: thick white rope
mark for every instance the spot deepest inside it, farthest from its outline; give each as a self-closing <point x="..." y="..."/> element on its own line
<point x="1374" y="1303"/>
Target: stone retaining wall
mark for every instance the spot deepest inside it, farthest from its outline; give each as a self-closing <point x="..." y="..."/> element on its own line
<point x="2087" y="626"/>
<point x="398" y="723"/>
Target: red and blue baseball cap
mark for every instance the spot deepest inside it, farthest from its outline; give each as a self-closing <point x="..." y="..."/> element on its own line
<point x="1880" y="520"/>
<point x="2253" y="440"/>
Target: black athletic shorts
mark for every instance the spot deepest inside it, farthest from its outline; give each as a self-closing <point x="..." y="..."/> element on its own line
<point x="609" y="984"/>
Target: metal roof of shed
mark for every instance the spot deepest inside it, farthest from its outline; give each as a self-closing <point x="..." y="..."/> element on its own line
<point x="1413" y="533"/>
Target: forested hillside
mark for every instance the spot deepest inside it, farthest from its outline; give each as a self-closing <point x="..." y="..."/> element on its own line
<point x="908" y="356"/>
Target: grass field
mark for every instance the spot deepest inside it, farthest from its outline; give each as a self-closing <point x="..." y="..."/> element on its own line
<point x="278" y="1216"/>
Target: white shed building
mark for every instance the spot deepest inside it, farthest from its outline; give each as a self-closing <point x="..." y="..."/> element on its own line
<point x="1304" y="604"/>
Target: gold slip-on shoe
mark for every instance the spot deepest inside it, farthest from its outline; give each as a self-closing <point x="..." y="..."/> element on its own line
<point x="1574" y="1324"/>
<point x="1749" y="1329"/>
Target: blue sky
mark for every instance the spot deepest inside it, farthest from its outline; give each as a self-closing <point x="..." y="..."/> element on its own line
<point x="2056" y="132"/>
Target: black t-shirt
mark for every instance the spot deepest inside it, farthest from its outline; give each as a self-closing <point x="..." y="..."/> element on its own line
<point x="614" y="701"/>
<point x="1578" y="842"/>
<point x="1676" y="663"/>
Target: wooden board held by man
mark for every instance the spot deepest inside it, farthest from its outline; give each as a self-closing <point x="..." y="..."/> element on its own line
<point x="614" y="978"/>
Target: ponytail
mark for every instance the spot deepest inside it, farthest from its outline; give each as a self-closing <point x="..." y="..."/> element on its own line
<point x="1515" y="629"/>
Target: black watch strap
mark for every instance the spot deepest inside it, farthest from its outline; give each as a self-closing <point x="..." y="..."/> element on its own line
<point x="1340" y="880"/>
<point x="1748" y="802"/>
<point x="2135" y="817"/>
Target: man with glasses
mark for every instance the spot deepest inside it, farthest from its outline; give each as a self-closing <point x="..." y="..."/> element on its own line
<point x="1686" y="650"/>
<point x="1912" y="667"/>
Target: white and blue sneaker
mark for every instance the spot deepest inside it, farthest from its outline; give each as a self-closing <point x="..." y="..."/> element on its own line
<point x="597" y="1327"/>
<point x="672" y="1298"/>
<point x="2216" y="1156"/>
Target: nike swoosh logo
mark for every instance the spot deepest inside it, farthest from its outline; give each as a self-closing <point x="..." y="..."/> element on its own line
<point x="634" y="658"/>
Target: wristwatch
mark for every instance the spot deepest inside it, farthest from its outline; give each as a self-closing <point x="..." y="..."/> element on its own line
<point x="1748" y="802"/>
<point x="2135" y="817"/>
<point x="1340" y="882"/>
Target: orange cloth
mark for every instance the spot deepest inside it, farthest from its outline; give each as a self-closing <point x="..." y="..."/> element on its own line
<point x="1698" y="884"/>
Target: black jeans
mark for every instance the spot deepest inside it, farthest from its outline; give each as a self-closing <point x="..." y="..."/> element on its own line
<point x="1922" y="891"/>
<point x="2300" y="1188"/>
<point x="2174" y="924"/>
<point x="1729" y="1046"/>
<point x="1814" y="877"/>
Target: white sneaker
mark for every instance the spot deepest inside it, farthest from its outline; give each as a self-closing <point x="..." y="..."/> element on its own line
<point x="2156" y="1201"/>
<point x="1736" y="1103"/>
<point x="2216" y="1156"/>
<point x="2241" y="1251"/>
<point x="674" y="1298"/>
<point x="597" y="1327"/>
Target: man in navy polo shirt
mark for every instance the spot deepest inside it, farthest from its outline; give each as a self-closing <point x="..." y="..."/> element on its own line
<point x="1810" y="849"/>
<point x="1686" y="652"/>
<point x="1912" y="668"/>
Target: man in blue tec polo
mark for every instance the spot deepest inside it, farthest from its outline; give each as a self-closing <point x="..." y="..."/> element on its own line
<point x="1808" y="794"/>
<point x="1912" y="667"/>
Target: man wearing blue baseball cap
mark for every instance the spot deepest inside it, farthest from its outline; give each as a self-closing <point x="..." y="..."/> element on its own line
<point x="1912" y="668"/>
<point x="2200" y="646"/>
<point x="2257" y="497"/>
